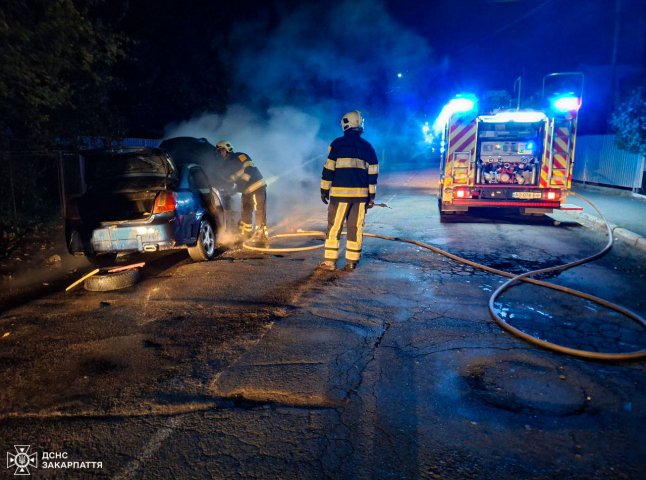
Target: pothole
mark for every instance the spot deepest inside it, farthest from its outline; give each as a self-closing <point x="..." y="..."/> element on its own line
<point x="522" y="386"/>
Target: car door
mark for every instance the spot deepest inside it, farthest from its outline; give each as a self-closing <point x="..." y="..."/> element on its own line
<point x="201" y="196"/>
<point x="187" y="208"/>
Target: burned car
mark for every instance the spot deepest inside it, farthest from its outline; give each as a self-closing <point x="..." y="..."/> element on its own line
<point x="139" y="200"/>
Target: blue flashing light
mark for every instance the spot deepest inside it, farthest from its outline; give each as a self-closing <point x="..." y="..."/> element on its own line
<point x="399" y="75"/>
<point x="530" y="146"/>
<point x="566" y="103"/>
<point x="460" y="104"/>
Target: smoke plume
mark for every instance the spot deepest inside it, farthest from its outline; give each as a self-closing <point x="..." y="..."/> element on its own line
<point x="295" y="78"/>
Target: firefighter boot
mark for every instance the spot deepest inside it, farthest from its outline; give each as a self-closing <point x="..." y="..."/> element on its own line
<point x="260" y="237"/>
<point x="327" y="265"/>
<point x="350" y="266"/>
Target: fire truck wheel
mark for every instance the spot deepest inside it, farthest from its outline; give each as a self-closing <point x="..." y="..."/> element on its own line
<point x="111" y="281"/>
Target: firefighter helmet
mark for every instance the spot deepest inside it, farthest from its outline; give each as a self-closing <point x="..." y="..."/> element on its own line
<point x="352" y="119"/>
<point x="224" y="144"/>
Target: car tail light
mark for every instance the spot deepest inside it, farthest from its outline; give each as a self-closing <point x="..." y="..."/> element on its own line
<point x="461" y="193"/>
<point x="552" y="195"/>
<point x="165" y="202"/>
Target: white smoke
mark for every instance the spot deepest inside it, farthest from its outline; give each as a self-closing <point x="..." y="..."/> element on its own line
<point x="318" y="62"/>
<point x="282" y="142"/>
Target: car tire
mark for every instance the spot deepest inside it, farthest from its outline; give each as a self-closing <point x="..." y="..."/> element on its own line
<point x="111" y="281"/>
<point x="204" y="249"/>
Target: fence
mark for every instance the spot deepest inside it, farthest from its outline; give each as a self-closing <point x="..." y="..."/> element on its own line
<point x="30" y="186"/>
<point x="598" y="160"/>
<point x="33" y="184"/>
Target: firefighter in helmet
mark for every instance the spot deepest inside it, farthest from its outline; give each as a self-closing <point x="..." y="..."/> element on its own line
<point x="348" y="183"/>
<point x="250" y="183"/>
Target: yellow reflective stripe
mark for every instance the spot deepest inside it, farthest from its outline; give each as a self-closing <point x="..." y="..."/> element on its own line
<point x="360" y="221"/>
<point x="245" y="177"/>
<point x="242" y="157"/>
<point x="331" y="254"/>
<point x="372" y="189"/>
<point x="354" y="256"/>
<point x="372" y="169"/>
<point x="332" y="243"/>
<point x="350" y="163"/>
<point x="326" y="184"/>
<point x="255" y="186"/>
<point x="330" y="164"/>
<point x="356" y="246"/>
<point x="348" y="192"/>
<point x="333" y="234"/>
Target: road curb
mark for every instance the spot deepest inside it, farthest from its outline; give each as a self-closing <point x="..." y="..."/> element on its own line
<point x="619" y="233"/>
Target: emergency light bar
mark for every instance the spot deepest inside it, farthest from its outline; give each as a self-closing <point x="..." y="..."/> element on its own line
<point x="566" y="104"/>
<point x="520" y="117"/>
<point x="462" y="103"/>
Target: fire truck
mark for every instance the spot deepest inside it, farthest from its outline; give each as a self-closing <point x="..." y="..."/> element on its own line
<point x="515" y="158"/>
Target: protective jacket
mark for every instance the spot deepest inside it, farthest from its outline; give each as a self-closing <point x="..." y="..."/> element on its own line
<point x="245" y="174"/>
<point x="351" y="170"/>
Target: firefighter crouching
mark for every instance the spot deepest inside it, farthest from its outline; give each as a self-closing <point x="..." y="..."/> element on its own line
<point x="250" y="183"/>
<point x="349" y="183"/>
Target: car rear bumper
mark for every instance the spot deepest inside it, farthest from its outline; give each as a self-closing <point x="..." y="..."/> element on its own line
<point x="132" y="238"/>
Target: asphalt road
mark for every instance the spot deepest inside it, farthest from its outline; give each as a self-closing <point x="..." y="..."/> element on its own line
<point x="257" y="366"/>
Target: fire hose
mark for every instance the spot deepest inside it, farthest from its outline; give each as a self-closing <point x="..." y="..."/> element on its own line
<point x="513" y="279"/>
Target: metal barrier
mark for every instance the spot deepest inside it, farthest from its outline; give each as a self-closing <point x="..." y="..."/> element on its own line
<point x="598" y="160"/>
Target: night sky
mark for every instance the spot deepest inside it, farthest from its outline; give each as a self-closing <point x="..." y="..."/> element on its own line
<point x="325" y="58"/>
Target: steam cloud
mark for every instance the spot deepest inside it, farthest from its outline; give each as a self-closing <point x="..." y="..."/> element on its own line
<point x="296" y="79"/>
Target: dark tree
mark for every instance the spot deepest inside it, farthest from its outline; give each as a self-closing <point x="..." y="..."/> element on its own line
<point x="629" y="122"/>
<point x="55" y="64"/>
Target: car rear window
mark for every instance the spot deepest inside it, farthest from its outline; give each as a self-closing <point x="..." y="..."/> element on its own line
<point x="111" y="167"/>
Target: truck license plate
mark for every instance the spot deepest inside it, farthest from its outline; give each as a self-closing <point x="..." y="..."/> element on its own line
<point x="526" y="195"/>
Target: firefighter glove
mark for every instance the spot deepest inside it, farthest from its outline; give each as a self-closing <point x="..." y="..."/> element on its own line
<point x="371" y="202"/>
<point x="325" y="196"/>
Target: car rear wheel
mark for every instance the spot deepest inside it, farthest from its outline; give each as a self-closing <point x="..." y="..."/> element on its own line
<point x="204" y="249"/>
<point x="111" y="281"/>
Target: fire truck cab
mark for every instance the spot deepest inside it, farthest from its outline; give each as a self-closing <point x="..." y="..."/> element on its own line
<point x="517" y="158"/>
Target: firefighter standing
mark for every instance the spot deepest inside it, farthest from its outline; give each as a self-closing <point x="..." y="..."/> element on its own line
<point x="349" y="183"/>
<point x="250" y="183"/>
